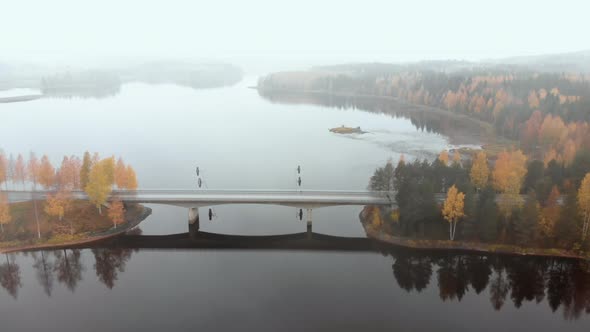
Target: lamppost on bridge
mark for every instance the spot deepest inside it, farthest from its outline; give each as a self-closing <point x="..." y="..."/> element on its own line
<point x="298" y="180"/>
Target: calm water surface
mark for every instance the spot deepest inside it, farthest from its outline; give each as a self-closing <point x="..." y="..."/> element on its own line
<point x="240" y="140"/>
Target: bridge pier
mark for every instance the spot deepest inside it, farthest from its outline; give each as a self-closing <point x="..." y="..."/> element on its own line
<point x="308" y="223"/>
<point x="193" y="222"/>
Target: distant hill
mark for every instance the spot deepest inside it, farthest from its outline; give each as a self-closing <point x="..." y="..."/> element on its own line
<point x="561" y="62"/>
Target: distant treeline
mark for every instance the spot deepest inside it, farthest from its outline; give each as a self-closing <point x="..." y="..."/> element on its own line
<point x="106" y="82"/>
<point x="198" y="76"/>
<point x="81" y="84"/>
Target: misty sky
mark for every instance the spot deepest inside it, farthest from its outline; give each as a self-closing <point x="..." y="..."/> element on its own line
<point x="344" y="30"/>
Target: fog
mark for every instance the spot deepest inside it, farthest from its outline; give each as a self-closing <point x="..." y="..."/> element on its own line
<point x="294" y="32"/>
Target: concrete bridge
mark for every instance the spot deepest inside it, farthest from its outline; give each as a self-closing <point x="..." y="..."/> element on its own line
<point x="193" y="199"/>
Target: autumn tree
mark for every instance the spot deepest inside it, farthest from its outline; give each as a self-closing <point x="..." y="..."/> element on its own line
<point x="68" y="174"/>
<point x="5" y="216"/>
<point x="552" y="130"/>
<point x="108" y="165"/>
<point x="33" y="169"/>
<point x="3" y="168"/>
<point x="509" y="172"/>
<point x="46" y="173"/>
<point x="33" y="175"/>
<point x="57" y="204"/>
<point x="98" y="187"/>
<point x="532" y="126"/>
<point x="550" y="214"/>
<point x="19" y="170"/>
<point x="85" y="169"/>
<point x="479" y="171"/>
<point x="117" y="212"/>
<point x="453" y="209"/>
<point x="120" y="174"/>
<point x="131" y="178"/>
<point x="584" y="204"/>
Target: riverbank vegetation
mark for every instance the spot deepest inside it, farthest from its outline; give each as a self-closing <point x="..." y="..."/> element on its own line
<point x="59" y="214"/>
<point x="511" y="202"/>
<point x="546" y="114"/>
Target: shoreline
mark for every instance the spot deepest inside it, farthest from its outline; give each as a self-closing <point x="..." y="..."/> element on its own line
<point x="490" y="140"/>
<point x="17" y="99"/>
<point x="107" y="234"/>
<point x="378" y="97"/>
<point x="468" y="247"/>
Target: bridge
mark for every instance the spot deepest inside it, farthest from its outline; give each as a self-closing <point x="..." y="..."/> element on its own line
<point x="193" y="199"/>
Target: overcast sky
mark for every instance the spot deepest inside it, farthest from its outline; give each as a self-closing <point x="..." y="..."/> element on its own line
<point x="368" y="30"/>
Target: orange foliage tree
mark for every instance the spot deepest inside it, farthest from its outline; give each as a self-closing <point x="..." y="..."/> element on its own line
<point x="117" y="212"/>
<point x="46" y="174"/>
<point x="5" y="216"/>
<point x="19" y="170"/>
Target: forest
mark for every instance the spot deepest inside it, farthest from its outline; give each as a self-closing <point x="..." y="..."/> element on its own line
<point x="546" y="114"/>
<point x="509" y="201"/>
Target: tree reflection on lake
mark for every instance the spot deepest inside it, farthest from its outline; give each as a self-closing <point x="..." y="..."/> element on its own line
<point x="560" y="282"/>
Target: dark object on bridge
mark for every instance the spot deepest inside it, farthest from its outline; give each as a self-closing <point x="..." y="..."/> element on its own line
<point x="300" y="214"/>
<point x="210" y="214"/>
<point x="298" y="169"/>
<point x="299" y="181"/>
<point x="197" y="170"/>
<point x="199" y="182"/>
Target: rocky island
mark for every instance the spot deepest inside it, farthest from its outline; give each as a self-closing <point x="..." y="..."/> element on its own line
<point x="347" y="130"/>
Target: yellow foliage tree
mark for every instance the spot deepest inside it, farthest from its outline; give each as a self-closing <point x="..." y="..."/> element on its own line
<point x="108" y="166"/>
<point x="57" y="205"/>
<point x="5" y="216"/>
<point x="584" y="204"/>
<point x="376" y="220"/>
<point x="509" y="172"/>
<point x="117" y="212"/>
<point x="479" y="170"/>
<point x="533" y="100"/>
<point x="98" y="187"/>
<point x="453" y="209"/>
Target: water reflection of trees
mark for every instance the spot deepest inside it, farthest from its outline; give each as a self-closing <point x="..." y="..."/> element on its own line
<point x="43" y="266"/>
<point x="109" y="263"/>
<point x="66" y="266"/>
<point x="69" y="268"/>
<point x="562" y="283"/>
<point x="422" y="118"/>
<point x="10" y="278"/>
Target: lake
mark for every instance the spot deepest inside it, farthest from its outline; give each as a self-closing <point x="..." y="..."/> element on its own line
<point x="240" y="140"/>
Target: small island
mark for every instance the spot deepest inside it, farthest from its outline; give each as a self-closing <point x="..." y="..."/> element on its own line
<point x="347" y="130"/>
<point x="57" y="216"/>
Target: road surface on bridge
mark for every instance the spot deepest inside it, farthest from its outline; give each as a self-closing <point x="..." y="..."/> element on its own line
<point x="200" y="198"/>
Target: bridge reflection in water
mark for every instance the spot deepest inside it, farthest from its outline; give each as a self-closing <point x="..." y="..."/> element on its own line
<point x="205" y="240"/>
